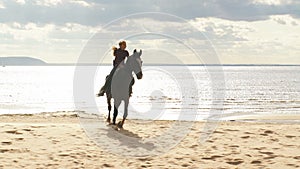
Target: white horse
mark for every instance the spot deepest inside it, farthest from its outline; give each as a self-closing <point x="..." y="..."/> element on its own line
<point x="120" y="85"/>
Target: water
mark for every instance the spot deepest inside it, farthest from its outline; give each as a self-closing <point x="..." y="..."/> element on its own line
<point x="165" y="92"/>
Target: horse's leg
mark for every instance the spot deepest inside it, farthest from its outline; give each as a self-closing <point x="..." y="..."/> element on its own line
<point x="109" y="107"/>
<point x="125" y="113"/>
<point x="116" y="106"/>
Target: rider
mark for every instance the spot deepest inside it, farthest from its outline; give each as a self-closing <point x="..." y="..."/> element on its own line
<point x="120" y="55"/>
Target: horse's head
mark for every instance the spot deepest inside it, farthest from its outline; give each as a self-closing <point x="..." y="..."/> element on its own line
<point x="135" y="63"/>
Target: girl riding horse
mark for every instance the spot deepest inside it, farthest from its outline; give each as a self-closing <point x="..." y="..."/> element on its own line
<point x="120" y="55"/>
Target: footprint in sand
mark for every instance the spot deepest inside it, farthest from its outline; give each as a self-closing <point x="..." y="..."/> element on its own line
<point x="244" y="137"/>
<point x="108" y="165"/>
<point x="19" y="139"/>
<point x="220" y="132"/>
<point x="248" y="132"/>
<point x="230" y="130"/>
<point x="194" y="146"/>
<point x="63" y="154"/>
<point x="13" y="132"/>
<point x="265" y="152"/>
<point x="4" y="150"/>
<point x="235" y="161"/>
<point x="255" y="162"/>
<point x="6" y="142"/>
<point x="270" y="157"/>
<point x="267" y="132"/>
<point x="212" y="157"/>
<point x="185" y="165"/>
<point x="274" y="139"/>
<point x="293" y="165"/>
<point x="297" y="157"/>
<point x="55" y="141"/>
<point x="13" y="150"/>
<point x="259" y="148"/>
<point x="26" y="129"/>
<point x="37" y="126"/>
<point x="270" y="154"/>
<point x="289" y="136"/>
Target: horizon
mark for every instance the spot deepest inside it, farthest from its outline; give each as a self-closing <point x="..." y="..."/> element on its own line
<point x="109" y="64"/>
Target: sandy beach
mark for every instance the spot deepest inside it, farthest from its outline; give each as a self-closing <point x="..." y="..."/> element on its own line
<point x="58" y="141"/>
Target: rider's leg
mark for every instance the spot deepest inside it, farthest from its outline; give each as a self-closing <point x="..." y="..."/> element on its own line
<point x="107" y="84"/>
<point x="103" y="88"/>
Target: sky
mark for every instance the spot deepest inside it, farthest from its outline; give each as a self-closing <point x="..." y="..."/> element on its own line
<point x="171" y="31"/>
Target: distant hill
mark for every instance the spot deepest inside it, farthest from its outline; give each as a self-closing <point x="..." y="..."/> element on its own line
<point x="21" y="61"/>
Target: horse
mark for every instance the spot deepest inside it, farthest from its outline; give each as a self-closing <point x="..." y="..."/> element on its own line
<point x="120" y="85"/>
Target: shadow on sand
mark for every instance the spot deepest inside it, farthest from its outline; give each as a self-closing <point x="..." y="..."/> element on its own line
<point x="128" y="138"/>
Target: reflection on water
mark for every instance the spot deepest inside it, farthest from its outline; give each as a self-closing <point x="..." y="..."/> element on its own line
<point x="161" y="93"/>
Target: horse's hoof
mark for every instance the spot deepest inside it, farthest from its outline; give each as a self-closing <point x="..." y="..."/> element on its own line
<point x="120" y="125"/>
<point x="111" y="124"/>
<point x="108" y="121"/>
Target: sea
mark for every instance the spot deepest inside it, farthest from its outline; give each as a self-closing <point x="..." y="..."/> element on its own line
<point x="166" y="92"/>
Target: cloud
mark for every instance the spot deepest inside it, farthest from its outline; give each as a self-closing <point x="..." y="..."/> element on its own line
<point x="284" y="19"/>
<point x="51" y="43"/>
<point x="82" y="3"/>
<point x="266" y="41"/>
<point x="57" y="30"/>
<point x="222" y="29"/>
<point x="48" y="2"/>
<point x="47" y="32"/>
<point x="294" y="23"/>
<point x="28" y="31"/>
<point x="2" y="6"/>
<point x="91" y="12"/>
<point x="52" y="11"/>
<point x="280" y="21"/>
<point x="273" y="2"/>
<point x="21" y="2"/>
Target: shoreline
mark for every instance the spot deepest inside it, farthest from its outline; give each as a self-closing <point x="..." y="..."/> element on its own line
<point x="260" y="118"/>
